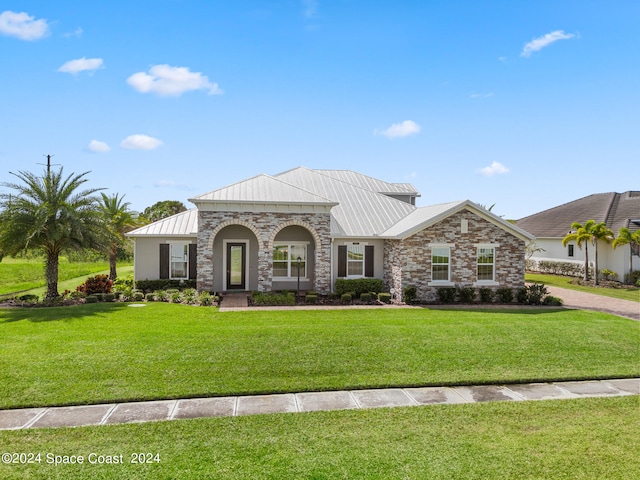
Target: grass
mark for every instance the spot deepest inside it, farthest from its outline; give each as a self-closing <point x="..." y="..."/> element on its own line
<point x="110" y="352"/>
<point x="27" y="276"/>
<point x="632" y="294"/>
<point x="578" y="439"/>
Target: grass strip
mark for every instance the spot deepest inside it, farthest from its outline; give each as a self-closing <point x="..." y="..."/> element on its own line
<point x="632" y="294"/>
<point x="577" y="439"/>
<point x="111" y="352"/>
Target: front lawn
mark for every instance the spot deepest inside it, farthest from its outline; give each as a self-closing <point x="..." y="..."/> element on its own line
<point x="632" y="293"/>
<point x="594" y="438"/>
<point x="112" y="352"/>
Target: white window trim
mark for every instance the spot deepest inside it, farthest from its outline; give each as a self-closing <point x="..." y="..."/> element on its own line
<point x="441" y="283"/>
<point x="487" y="283"/>
<point x="181" y="245"/>
<point x="292" y="263"/>
<point x="364" y="254"/>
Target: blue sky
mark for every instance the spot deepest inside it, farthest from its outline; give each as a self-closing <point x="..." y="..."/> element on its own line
<point x="526" y="105"/>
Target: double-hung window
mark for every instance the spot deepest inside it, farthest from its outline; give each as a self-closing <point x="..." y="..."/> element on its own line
<point x="440" y="264"/>
<point x="486" y="264"/>
<point x="355" y="260"/>
<point x="285" y="260"/>
<point x="179" y="264"/>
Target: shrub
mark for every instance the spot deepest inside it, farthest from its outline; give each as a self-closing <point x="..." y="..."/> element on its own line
<point x="164" y="284"/>
<point x="522" y="295"/>
<point x="76" y="295"/>
<point x="311" y="299"/>
<point x="346" y="298"/>
<point x="189" y="296"/>
<point x="123" y="284"/>
<point x="536" y="293"/>
<point x="466" y="294"/>
<point x="161" y="296"/>
<point x="632" y="278"/>
<point x="358" y="285"/>
<point x="96" y="284"/>
<point x="446" y="294"/>
<point x="273" y="298"/>
<point x="486" y="295"/>
<point x="150" y="297"/>
<point x="552" y="301"/>
<point x="409" y="294"/>
<point x="91" y="299"/>
<point x="29" y="298"/>
<point x="175" y="296"/>
<point x="109" y="297"/>
<point x="332" y="296"/>
<point x="137" y="296"/>
<point x="366" y="297"/>
<point x="205" y="299"/>
<point x="505" y="295"/>
<point x="609" y="275"/>
<point x="384" y="297"/>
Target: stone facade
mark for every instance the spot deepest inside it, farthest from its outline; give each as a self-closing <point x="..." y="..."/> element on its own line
<point x="264" y="226"/>
<point x="408" y="261"/>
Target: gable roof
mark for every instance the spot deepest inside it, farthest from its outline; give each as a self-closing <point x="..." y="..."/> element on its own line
<point x="184" y="224"/>
<point x="359" y="212"/>
<point x="424" y="217"/>
<point x="616" y="210"/>
<point x="370" y="183"/>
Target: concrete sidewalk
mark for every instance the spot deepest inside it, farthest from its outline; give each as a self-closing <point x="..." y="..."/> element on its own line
<point x="136" y="412"/>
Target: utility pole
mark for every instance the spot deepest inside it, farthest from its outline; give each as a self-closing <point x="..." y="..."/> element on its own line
<point x="49" y="163"/>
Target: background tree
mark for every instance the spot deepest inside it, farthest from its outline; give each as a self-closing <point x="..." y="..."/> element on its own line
<point x="625" y="237"/>
<point x="163" y="209"/>
<point x="600" y="232"/>
<point x="50" y="214"/>
<point x="119" y="220"/>
<point x="581" y="234"/>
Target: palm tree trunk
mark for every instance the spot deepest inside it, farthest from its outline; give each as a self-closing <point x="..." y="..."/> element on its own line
<point x="51" y="274"/>
<point x="112" y="264"/>
<point x="586" y="262"/>
<point x="596" y="272"/>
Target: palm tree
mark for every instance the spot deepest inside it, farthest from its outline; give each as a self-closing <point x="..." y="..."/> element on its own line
<point x="600" y="232"/>
<point x="50" y="214"/>
<point x="119" y="220"/>
<point x="581" y="234"/>
<point x="625" y="237"/>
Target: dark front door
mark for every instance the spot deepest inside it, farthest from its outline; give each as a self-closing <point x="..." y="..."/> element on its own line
<point x="236" y="259"/>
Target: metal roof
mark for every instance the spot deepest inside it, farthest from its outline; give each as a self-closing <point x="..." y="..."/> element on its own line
<point x="262" y="189"/>
<point x="370" y="183"/>
<point x="359" y="213"/>
<point x="614" y="209"/>
<point x="183" y="224"/>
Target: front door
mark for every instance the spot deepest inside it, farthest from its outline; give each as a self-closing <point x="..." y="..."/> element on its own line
<point x="236" y="259"/>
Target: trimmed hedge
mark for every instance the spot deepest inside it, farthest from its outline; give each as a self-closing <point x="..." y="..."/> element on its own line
<point x="358" y="286"/>
<point x="149" y="286"/>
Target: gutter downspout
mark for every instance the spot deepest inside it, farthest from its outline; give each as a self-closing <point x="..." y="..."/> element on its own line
<point x="331" y="266"/>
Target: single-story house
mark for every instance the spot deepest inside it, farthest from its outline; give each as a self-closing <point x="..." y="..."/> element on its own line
<point x="265" y="232"/>
<point x="616" y="210"/>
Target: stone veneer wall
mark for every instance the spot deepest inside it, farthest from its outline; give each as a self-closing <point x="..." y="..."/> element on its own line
<point x="408" y="262"/>
<point x="265" y="226"/>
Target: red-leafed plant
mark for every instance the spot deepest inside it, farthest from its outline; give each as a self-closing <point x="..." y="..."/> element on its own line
<point x="97" y="284"/>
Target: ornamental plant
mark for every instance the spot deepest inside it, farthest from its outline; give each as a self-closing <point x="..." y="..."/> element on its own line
<point x="97" y="284"/>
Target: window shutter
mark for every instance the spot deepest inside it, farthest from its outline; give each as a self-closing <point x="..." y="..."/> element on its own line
<point x="342" y="261"/>
<point x="368" y="261"/>
<point x="164" y="260"/>
<point x="193" y="258"/>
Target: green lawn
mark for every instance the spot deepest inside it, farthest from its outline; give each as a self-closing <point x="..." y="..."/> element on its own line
<point x="587" y="439"/>
<point x="107" y="352"/>
<point x="632" y="294"/>
<point x="18" y="275"/>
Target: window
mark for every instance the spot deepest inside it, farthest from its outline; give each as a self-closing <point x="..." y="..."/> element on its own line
<point x="179" y="264"/>
<point x="570" y="250"/>
<point x="285" y="260"/>
<point x="440" y="264"/>
<point x="355" y="260"/>
<point x="486" y="264"/>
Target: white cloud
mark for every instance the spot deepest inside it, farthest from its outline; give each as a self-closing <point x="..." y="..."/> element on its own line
<point x="98" y="146"/>
<point x="544" y="41"/>
<point x="22" y="26"/>
<point x="76" y="33"/>
<point x="494" y="169"/>
<point x="481" y="95"/>
<point x="81" y="64"/>
<point x="397" y="130"/>
<point x="310" y="8"/>
<point x="168" y="80"/>
<point x="141" y="142"/>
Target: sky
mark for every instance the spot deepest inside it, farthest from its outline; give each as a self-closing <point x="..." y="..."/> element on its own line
<point x="523" y="104"/>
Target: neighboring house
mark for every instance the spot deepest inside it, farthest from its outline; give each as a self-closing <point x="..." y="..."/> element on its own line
<point x="616" y="210"/>
<point x="329" y="224"/>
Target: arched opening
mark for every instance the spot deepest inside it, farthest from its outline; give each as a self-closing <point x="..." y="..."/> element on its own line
<point x="294" y="253"/>
<point x="236" y="250"/>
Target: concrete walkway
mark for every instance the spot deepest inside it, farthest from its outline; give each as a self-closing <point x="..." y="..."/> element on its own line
<point x="135" y="412"/>
<point x="592" y="301"/>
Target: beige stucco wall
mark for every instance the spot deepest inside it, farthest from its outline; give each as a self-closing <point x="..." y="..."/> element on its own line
<point x="146" y="265"/>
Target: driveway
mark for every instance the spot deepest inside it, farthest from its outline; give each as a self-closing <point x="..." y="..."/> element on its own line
<point x="591" y="301"/>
